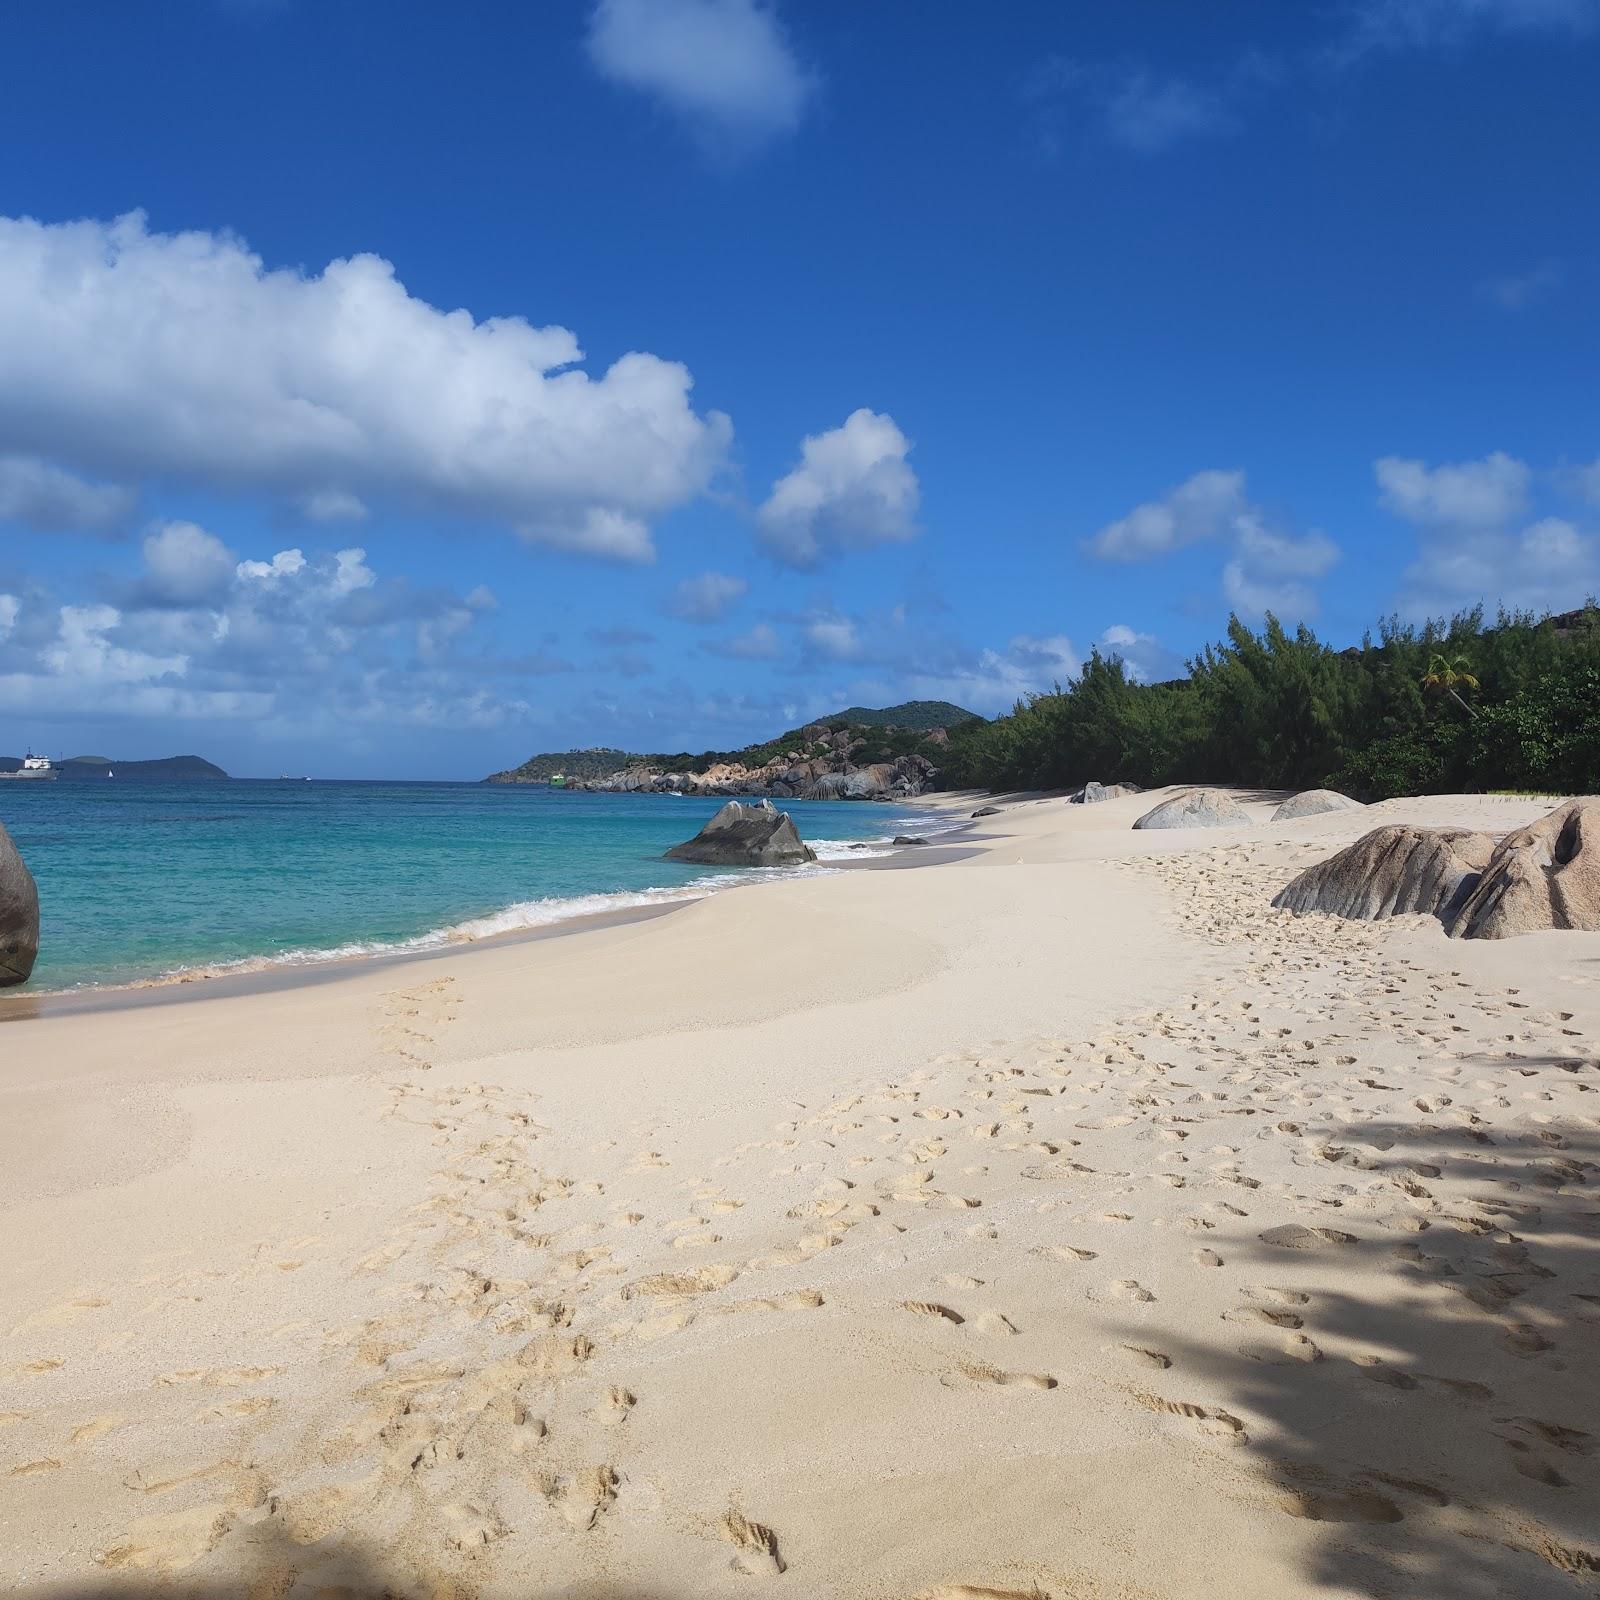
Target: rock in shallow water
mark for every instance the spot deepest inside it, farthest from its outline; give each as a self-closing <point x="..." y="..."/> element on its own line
<point x="746" y="836"/>
<point x="1393" y="871"/>
<point x="19" y="916"/>
<point x="1198" y="808"/>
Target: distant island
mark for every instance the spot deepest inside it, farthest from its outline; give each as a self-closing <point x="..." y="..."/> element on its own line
<point x="97" y="769"/>
<point x="861" y="753"/>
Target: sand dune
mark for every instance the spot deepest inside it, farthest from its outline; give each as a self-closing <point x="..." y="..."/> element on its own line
<point x="1058" y="1221"/>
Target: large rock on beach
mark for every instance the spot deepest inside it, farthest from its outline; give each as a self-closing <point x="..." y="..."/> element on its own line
<point x="1314" y="803"/>
<point x="746" y="836"/>
<point x="1539" y="877"/>
<point x="1393" y="871"/>
<point x="1093" y="793"/>
<point x="19" y="916"/>
<point x="1197" y="808"/>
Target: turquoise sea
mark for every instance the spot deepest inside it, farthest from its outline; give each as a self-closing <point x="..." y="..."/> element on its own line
<point x="143" y="880"/>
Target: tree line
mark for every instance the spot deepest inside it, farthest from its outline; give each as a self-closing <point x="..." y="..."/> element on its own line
<point x="1448" y="706"/>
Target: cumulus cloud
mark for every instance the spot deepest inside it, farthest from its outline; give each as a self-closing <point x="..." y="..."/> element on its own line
<point x="1466" y="494"/>
<point x="724" y="66"/>
<point x="1476" y="544"/>
<point x="1269" y="568"/>
<point x="1274" y="571"/>
<point x="1203" y="507"/>
<point x="708" y="597"/>
<point x="853" y="488"/>
<point x="133" y="353"/>
<point x="995" y="679"/>
<point x="275" y="642"/>
<point x="1548" y="565"/>
<point x="42" y="496"/>
<point x="1142" y="654"/>
<point x="186" y="566"/>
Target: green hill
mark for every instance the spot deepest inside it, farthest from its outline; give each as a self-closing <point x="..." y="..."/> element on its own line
<point x="596" y="763"/>
<point x="168" y="769"/>
<point x="919" y="716"/>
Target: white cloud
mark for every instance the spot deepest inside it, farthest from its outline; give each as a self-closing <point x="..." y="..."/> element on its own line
<point x="10" y="610"/>
<point x="185" y="565"/>
<point x="283" y="565"/>
<point x="1203" y="507"/>
<point x="1549" y="565"/>
<point x="708" y="597"/>
<point x="351" y="572"/>
<point x="1466" y="495"/>
<point x="83" y="653"/>
<point x="130" y="352"/>
<point x="1273" y="571"/>
<point x="853" y="488"/>
<point x="1518" y="291"/>
<point x="725" y="66"/>
<point x="43" y="496"/>
<point x="833" y="637"/>
<point x="760" y="643"/>
<point x="997" y="679"/>
<point x="1269" y="568"/>
<point x="1148" y="114"/>
<point x="1142" y="654"/>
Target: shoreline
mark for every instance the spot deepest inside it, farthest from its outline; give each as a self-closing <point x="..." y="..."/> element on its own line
<point x="269" y="974"/>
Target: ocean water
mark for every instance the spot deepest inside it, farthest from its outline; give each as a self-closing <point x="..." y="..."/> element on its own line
<point x="143" y="881"/>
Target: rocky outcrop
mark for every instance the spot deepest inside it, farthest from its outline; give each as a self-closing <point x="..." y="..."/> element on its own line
<point x="1393" y="871"/>
<point x="19" y="916"/>
<point x="829" y="777"/>
<point x="1314" y="803"/>
<point x="1543" y="876"/>
<point x="746" y="836"/>
<point x="1197" y="808"/>
<point x="1092" y="793"/>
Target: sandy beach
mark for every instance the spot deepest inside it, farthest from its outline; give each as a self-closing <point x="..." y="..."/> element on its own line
<point x="1056" y="1221"/>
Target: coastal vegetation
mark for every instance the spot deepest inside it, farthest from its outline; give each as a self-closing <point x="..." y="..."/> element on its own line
<point x="1455" y="705"/>
<point x="856" y="737"/>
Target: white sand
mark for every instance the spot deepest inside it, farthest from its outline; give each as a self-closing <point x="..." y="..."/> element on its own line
<point x="906" y="1230"/>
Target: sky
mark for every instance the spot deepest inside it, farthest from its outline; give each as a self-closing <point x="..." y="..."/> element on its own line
<point x="394" y="391"/>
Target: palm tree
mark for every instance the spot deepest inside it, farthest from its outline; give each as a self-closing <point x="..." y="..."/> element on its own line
<point x="1446" y="673"/>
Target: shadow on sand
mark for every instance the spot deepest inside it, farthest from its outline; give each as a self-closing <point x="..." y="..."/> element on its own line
<point x="1447" y="1444"/>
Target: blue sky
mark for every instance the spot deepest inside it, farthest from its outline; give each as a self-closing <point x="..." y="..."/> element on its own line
<point x="398" y="390"/>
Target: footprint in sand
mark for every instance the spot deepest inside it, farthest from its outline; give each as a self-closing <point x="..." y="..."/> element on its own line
<point x="1330" y="1505"/>
<point x="981" y="1372"/>
<point x="930" y="1308"/>
<point x="758" y="1555"/>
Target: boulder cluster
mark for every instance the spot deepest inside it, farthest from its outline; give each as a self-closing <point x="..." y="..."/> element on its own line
<point x="1546" y="876"/>
<point x="828" y="773"/>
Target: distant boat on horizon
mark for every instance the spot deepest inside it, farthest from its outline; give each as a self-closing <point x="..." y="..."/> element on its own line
<point x="33" y="767"/>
